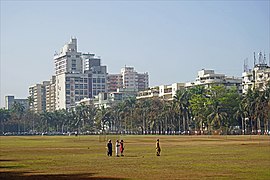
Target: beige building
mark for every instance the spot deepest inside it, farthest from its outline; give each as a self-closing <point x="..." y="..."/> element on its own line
<point x="37" y="94"/>
<point x="50" y="95"/>
<point x="152" y="92"/>
<point x="128" y="79"/>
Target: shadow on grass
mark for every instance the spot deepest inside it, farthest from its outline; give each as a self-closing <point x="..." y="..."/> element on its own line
<point x="10" y="167"/>
<point x="24" y="176"/>
<point x="6" y="160"/>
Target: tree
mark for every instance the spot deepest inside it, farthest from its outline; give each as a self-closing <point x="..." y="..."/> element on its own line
<point x="4" y="117"/>
<point x="18" y="111"/>
<point x="182" y="103"/>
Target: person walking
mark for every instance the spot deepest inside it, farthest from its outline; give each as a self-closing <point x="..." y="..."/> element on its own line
<point x="117" y="148"/>
<point x="158" y="149"/>
<point x="109" y="148"/>
<point x="122" y="147"/>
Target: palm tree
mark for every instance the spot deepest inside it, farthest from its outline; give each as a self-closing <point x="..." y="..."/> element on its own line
<point x="18" y="110"/>
<point x="249" y="107"/>
<point x="182" y="103"/>
<point x="103" y="118"/>
<point x="4" y="116"/>
<point x="241" y="113"/>
<point x="130" y="107"/>
<point x="216" y="117"/>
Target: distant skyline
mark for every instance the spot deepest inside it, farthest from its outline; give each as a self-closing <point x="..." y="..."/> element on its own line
<point x="171" y="40"/>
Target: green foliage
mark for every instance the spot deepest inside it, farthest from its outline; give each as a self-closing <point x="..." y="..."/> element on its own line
<point x="200" y="109"/>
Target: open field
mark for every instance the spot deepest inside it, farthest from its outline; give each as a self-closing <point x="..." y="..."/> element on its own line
<point x="182" y="157"/>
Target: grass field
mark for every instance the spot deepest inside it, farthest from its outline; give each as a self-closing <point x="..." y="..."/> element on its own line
<point x="182" y="157"/>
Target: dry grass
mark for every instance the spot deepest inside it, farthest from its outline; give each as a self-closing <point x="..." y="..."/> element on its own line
<point x="182" y="157"/>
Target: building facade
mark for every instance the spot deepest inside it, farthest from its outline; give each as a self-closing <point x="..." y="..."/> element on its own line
<point x="258" y="77"/>
<point x="10" y="101"/>
<point x="97" y="74"/>
<point x="128" y="79"/>
<point x="167" y="92"/>
<point x="78" y="76"/>
<point x="50" y="95"/>
<point x="37" y="94"/>
<point x="208" y="78"/>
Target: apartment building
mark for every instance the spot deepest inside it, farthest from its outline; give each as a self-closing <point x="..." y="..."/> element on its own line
<point x="114" y="82"/>
<point x="10" y="100"/>
<point x="50" y="95"/>
<point x="78" y="76"/>
<point x="167" y="92"/>
<point x="37" y="95"/>
<point x="258" y="77"/>
<point x="208" y="77"/>
<point x="205" y="78"/>
<point x="151" y="92"/>
<point x="105" y="99"/>
<point x="97" y="74"/>
<point x="128" y="79"/>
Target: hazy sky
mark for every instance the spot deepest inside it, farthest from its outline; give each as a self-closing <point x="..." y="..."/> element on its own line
<point x="171" y="40"/>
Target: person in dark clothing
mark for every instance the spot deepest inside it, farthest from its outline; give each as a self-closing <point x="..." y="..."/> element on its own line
<point x="122" y="147"/>
<point x="109" y="148"/>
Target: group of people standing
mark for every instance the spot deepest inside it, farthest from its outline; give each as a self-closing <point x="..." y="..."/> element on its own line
<point x="119" y="148"/>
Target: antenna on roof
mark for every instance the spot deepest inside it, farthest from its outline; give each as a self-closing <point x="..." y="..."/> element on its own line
<point x="254" y="59"/>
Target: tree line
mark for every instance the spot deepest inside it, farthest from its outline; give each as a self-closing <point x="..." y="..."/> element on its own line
<point x="197" y="110"/>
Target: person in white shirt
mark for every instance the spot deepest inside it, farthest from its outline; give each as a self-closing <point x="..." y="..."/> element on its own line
<point x="117" y="148"/>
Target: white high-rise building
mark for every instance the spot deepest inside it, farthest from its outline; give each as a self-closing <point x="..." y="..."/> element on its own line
<point x="68" y="60"/>
<point x="78" y="76"/>
<point x="71" y="83"/>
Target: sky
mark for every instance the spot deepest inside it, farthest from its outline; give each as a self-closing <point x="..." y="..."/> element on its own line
<point x="171" y="40"/>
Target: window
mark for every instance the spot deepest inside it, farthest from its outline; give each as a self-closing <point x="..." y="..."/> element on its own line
<point x="77" y="98"/>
